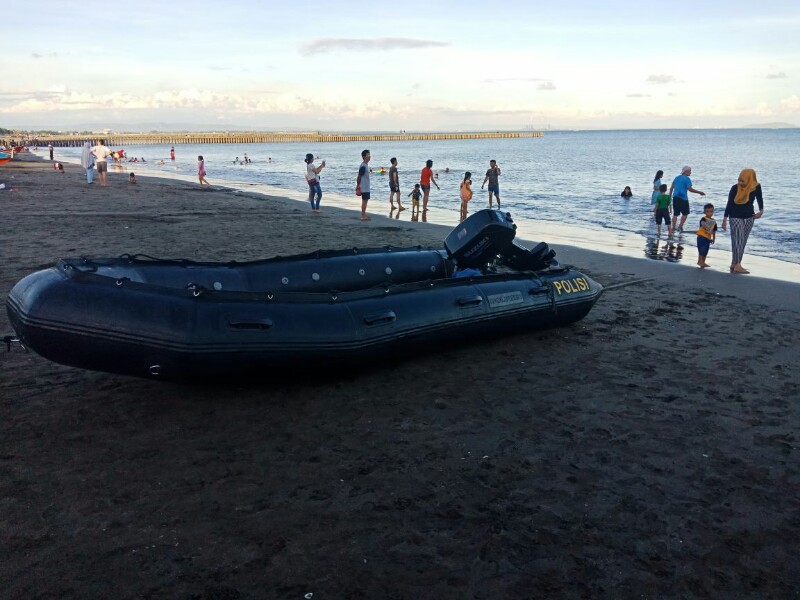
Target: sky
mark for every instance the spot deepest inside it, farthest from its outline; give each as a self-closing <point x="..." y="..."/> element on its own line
<point x="416" y="66"/>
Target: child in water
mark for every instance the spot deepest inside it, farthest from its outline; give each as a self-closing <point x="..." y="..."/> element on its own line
<point x="661" y="210"/>
<point x="415" y="195"/>
<point x="466" y="193"/>
<point x="132" y="178"/>
<point x="706" y="235"/>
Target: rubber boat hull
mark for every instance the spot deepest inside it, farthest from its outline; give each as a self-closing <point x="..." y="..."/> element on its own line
<point x="188" y="320"/>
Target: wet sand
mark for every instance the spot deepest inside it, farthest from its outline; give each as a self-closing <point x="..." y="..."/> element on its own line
<point x="649" y="450"/>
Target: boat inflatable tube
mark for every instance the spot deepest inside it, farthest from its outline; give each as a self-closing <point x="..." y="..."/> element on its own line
<point x="186" y="320"/>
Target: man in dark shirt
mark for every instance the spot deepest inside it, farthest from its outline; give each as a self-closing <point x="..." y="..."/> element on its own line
<point x="494" y="187"/>
<point x="394" y="185"/>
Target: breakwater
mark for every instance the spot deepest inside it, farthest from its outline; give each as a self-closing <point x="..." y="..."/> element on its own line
<point x="129" y="139"/>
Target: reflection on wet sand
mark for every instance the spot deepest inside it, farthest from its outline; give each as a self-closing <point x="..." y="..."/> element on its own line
<point x="670" y="249"/>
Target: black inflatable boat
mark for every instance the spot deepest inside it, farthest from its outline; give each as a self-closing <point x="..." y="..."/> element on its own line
<point x="179" y="319"/>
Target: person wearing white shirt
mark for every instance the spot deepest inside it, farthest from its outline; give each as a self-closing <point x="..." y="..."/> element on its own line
<point x="101" y="153"/>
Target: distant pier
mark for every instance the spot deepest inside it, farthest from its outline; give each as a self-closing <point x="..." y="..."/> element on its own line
<point x="310" y="137"/>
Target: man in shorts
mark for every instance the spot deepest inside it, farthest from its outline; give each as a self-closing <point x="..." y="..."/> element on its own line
<point x="679" y="190"/>
<point x="494" y="186"/>
<point x="362" y="183"/>
<point x="425" y="179"/>
<point x="101" y="153"/>
<point x="394" y="185"/>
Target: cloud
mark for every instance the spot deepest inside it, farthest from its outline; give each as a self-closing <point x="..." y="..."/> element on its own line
<point x="780" y="75"/>
<point x="325" y="45"/>
<point x="513" y="80"/>
<point x="660" y="79"/>
<point x="36" y="55"/>
<point x="791" y="104"/>
<point x="544" y="84"/>
<point x="637" y="96"/>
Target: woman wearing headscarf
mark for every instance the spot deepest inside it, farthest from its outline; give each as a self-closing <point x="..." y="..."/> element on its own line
<point x="741" y="213"/>
<point x="87" y="162"/>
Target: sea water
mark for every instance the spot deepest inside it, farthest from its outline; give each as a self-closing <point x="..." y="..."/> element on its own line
<point x="563" y="187"/>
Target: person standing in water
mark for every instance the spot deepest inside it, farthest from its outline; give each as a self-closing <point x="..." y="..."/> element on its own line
<point x="656" y="187"/>
<point x="679" y="189"/>
<point x="394" y="185"/>
<point x="362" y="183"/>
<point x="494" y="185"/>
<point x="466" y="193"/>
<point x="425" y="179"/>
<point x="172" y="153"/>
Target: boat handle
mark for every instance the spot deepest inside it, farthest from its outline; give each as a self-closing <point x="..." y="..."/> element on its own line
<point x="380" y="318"/>
<point x="470" y="301"/>
<point x="542" y="289"/>
<point x="261" y="325"/>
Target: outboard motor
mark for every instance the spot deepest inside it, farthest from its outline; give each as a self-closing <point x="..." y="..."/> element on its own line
<point x="520" y="258"/>
<point x="480" y="238"/>
<point x="488" y="235"/>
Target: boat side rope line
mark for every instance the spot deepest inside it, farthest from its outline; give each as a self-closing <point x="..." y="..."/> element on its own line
<point x="12" y="339"/>
<point x="617" y="286"/>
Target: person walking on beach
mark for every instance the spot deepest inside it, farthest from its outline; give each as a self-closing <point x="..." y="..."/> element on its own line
<point x="661" y="209"/>
<point x="706" y="235"/>
<point x="466" y="193"/>
<point x="172" y="153"/>
<point x="494" y="186"/>
<point x="312" y="178"/>
<point x="742" y="215"/>
<point x="362" y="183"/>
<point x="656" y="186"/>
<point x="425" y="179"/>
<point x="50" y="148"/>
<point x="201" y="171"/>
<point x="101" y="154"/>
<point x="679" y="189"/>
<point x="394" y="185"/>
<point x="87" y="162"/>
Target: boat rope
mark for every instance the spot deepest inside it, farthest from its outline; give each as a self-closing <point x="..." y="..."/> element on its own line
<point x="617" y="286"/>
<point x="12" y="339"/>
<point x="146" y="257"/>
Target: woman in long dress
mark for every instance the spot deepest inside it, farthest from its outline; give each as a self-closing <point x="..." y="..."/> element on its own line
<point x="87" y="162"/>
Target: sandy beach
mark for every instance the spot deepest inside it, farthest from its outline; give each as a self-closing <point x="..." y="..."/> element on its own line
<point x="648" y="451"/>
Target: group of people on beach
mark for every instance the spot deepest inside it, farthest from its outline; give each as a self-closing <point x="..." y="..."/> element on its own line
<point x="421" y="191"/>
<point x="669" y="202"/>
<point x="95" y="157"/>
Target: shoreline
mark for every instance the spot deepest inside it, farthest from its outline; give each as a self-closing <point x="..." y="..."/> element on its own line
<point x="612" y="242"/>
<point x="650" y="448"/>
